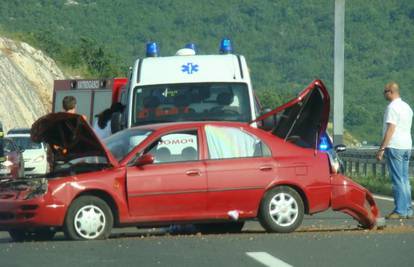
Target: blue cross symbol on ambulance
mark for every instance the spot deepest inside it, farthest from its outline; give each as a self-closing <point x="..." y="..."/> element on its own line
<point x="189" y="68"/>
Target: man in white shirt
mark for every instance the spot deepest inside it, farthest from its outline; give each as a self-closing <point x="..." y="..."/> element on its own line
<point x="396" y="145"/>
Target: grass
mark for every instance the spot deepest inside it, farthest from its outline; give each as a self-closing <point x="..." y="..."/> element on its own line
<point x="379" y="185"/>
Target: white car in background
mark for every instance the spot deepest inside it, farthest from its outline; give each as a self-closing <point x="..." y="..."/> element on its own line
<point x="34" y="154"/>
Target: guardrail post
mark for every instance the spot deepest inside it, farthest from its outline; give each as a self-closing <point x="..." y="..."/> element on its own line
<point x="364" y="168"/>
<point x="345" y="162"/>
<point x="374" y="169"/>
<point x="350" y="167"/>
<point x="357" y="167"/>
<point x="383" y="170"/>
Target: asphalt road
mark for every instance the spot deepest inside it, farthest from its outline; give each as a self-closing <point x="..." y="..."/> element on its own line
<point x="325" y="239"/>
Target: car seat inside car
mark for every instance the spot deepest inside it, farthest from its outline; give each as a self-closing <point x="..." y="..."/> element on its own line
<point x="189" y="153"/>
<point x="162" y="154"/>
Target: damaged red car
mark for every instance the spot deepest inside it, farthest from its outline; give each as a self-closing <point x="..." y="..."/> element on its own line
<point x="210" y="174"/>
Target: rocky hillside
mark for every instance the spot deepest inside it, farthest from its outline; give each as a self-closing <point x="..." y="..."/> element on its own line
<point x="26" y="83"/>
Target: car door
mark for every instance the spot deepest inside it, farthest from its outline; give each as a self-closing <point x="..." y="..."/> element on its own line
<point x="174" y="186"/>
<point x="239" y="168"/>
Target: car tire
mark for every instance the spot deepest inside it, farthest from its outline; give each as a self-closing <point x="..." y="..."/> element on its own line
<point x="40" y="234"/>
<point x="281" y="210"/>
<point x="43" y="234"/>
<point x="88" y="218"/>
<point x="220" y="228"/>
<point x="19" y="235"/>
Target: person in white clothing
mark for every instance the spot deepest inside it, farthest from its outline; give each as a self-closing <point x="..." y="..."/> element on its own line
<point x="396" y="145"/>
<point x="102" y="126"/>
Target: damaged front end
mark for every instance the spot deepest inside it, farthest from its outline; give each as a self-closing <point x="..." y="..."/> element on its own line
<point x="24" y="188"/>
<point x="351" y="198"/>
<point x="74" y="148"/>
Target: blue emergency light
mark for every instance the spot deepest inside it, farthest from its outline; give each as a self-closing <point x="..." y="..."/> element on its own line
<point x="152" y="49"/>
<point x="225" y="46"/>
<point x="191" y="46"/>
<point x="324" y="144"/>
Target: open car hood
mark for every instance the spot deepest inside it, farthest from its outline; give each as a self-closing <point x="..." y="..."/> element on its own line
<point x="303" y="119"/>
<point x="69" y="137"/>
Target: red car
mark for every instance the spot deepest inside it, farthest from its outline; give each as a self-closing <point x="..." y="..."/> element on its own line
<point x="215" y="175"/>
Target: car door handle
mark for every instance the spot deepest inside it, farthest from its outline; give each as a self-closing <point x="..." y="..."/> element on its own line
<point x="193" y="172"/>
<point x="266" y="168"/>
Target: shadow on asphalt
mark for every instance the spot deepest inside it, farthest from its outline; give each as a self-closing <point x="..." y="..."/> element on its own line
<point x="311" y="225"/>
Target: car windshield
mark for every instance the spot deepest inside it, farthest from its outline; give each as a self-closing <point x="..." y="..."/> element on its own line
<point x="191" y="102"/>
<point x="121" y="143"/>
<point x="24" y="142"/>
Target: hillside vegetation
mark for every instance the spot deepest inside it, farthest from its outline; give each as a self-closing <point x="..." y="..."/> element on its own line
<point x="287" y="43"/>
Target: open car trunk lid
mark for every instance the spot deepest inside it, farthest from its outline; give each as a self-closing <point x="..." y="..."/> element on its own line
<point x="69" y="137"/>
<point x="303" y="119"/>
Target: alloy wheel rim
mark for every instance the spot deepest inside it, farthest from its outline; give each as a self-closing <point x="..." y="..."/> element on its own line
<point x="283" y="209"/>
<point x="89" y="222"/>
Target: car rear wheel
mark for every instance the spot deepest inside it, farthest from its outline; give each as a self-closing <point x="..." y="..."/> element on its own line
<point x="281" y="210"/>
<point x="220" y="228"/>
<point x="88" y="218"/>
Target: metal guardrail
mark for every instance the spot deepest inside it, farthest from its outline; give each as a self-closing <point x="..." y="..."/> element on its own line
<point x="359" y="161"/>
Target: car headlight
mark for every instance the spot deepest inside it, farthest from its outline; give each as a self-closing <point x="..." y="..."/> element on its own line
<point x="39" y="159"/>
<point x="7" y="163"/>
<point x="38" y="188"/>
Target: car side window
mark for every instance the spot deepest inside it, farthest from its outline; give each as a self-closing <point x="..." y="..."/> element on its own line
<point x="229" y="142"/>
<point x="175" y="147"/>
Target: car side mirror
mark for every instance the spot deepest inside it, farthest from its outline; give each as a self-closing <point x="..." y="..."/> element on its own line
<point x="116" y="122"/>
<point x="268" y="123"/>
<point x="340" y="148"/>
<point x="144" y="160"/>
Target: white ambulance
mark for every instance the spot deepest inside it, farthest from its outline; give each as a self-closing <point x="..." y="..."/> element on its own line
<point x="187" y="87"/>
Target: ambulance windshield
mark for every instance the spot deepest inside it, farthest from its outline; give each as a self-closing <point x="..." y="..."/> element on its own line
<point x="191" y="102"/>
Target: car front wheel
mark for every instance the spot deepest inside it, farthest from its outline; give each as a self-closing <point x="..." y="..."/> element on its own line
<point x="281" y="210"/>
<point x="88" y="218"/>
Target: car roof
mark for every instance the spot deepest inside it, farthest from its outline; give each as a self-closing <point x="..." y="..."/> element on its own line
<point x="13" y="135"/>
<point x="19" y="131"/>
<point x="189" y="124"/>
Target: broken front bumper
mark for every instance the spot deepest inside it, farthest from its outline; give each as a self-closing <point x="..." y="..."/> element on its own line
<point x="25" y="203"/>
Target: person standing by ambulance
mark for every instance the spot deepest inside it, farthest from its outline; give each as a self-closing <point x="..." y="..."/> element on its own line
<point x="396" y="145"/>
<point x="102" y="126"/>
<point x="69" y="105"/>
